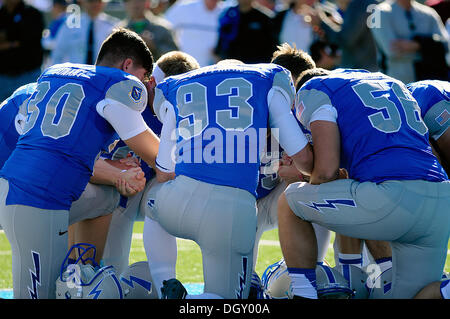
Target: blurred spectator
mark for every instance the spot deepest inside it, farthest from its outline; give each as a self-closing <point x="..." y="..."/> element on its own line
<point x="57" y="19"/>
<point x="412" y="40"/>
<point x="159" y="7"/>
<point x="353" y="36"/>
<point x="156" y="31"/>
<point x="80" y="38"/>
<point x="246" y="33"/>
<point x="291" y="25"/>
<point x="196" y="24"/>
<point x="326" y="56"/>
<point x="21" y="51"/>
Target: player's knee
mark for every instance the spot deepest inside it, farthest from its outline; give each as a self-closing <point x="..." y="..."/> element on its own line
<point x="284" y="210"/>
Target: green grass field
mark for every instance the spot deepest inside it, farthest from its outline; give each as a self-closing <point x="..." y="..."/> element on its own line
<point x="189" y="263"/>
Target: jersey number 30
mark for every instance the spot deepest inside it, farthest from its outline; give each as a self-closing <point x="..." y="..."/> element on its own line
<point x="71" y="94"/>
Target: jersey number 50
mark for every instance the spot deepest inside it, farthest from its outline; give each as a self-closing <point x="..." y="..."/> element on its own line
<point x="393" y="122"/>
<point x="74" y="96"/>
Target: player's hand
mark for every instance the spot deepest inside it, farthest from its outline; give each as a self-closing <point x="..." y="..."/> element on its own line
<point x="150" y="85"/>
<point x="343" y="174"/>
<point x="131" y="182"/>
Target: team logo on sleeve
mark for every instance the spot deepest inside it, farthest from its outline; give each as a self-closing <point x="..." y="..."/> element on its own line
<point x="136" y="93"/>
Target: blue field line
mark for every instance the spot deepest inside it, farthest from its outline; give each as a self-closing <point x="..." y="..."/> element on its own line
<point x="192" y="289"/>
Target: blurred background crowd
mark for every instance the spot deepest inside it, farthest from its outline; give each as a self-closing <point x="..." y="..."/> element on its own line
<point x="406" y="39"/>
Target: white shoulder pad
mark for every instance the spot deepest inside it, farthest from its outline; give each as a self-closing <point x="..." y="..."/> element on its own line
<point x="282" y="81"/>
<point x="307" y="102"/>
<point x="160" y="105"/>
<point x="129" y="92"/>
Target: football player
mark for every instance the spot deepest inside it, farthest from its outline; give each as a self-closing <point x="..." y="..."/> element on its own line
<point x="72" y="116"/>
<point x="367" y="123"/>
<point x="93" y="209"/>
<point x="433" y="97"/>
<point x="270" y="185"/>
<point x="215" y="123"/>
<point x="156" y="240"/>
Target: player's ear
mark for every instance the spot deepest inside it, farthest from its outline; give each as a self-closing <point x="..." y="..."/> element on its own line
<point x="127" y="64"/>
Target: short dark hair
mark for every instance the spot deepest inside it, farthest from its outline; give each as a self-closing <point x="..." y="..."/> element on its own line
<point x="177" y="62"/>
<point x="123" y="43"/>
<point x="293" y="59"/>
<point x="307" y="75"/>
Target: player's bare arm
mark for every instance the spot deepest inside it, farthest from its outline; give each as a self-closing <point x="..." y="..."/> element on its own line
<point x="326" y="150"/>
<point x="443" y="143"/>
<point x="145" y="145"/>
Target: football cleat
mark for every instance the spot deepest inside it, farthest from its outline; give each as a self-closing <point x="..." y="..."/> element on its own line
<point x="82" y="280"/>
<point x="173" y="289"/>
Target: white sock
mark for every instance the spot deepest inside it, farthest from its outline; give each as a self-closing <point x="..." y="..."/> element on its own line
<point x="161" y="250"/>
<point x="323" y="236"/>
<point x="350" y="259"/>
<point x="384" y="264"/>
<point x="301" y="286"/>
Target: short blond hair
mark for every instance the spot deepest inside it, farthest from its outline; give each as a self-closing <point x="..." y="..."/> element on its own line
<point x="177" y="62"/>
<point x="230" y="62"/>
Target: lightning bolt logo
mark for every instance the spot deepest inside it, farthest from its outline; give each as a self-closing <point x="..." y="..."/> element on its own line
<point x="96" y="292"/>
<point x="144" y="283"/>
<point x="329" y="203"/>
<point x="35" y="276"/>
<point x="242" y="278"/>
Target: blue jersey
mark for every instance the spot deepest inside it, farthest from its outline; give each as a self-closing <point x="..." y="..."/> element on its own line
<point x="383" y="136"/>
<point x="64" y="133"/>
<point x="433" y="97"/>
<point x="10" y="129"/>
<point x="221" y="118"/>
